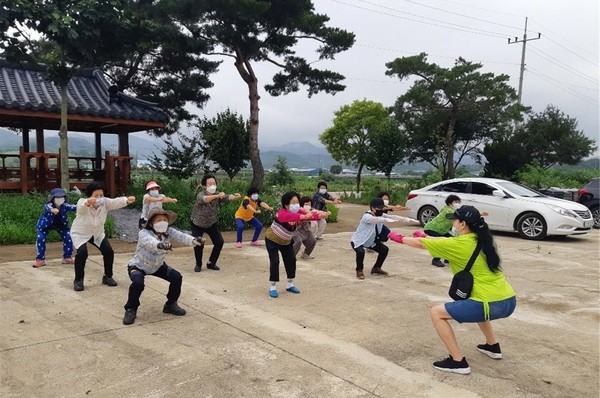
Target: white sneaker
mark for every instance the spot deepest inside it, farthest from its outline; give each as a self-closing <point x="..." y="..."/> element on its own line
<point x="306" y="256"/>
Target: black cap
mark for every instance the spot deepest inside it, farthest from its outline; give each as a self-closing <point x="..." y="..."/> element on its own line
<point x="377" y="203"/>
<point x="468" y="214"/>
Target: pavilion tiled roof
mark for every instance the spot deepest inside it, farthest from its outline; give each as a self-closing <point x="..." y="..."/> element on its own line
<point x="26" y="88"/>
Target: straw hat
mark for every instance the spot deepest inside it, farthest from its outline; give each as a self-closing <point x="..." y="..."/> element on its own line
<point x="171" y="215"/>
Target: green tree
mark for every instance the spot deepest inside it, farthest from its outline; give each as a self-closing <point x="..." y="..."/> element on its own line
<point x="225" y="141"/>
<point x="450" y="113"/>
<point x="355" y="128"/>
<point x="335" y="169"/>
<point x="281" y="176"/>
<point x="72" y="34"/>
<point x="387" y="147"/>
<point x="180" y="161"/>
<point x="253" y="31"/>
<point x="546" y="139"/>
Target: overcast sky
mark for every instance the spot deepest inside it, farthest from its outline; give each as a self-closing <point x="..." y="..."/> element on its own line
<point x="561" y="67"/>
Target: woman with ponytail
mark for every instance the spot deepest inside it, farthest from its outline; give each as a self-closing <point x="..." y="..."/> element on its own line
<point x="492" y="297"/>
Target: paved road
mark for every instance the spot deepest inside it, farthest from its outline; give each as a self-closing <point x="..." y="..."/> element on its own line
<point x="340" y="337"/>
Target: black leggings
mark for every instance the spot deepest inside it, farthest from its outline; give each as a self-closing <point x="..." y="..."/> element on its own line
<point x="217" y="241"/>
<point x="108" y="255"/>
<point x="137" y="284"/>
<point x="380" y="248"/>
<point x="288" y="256"/>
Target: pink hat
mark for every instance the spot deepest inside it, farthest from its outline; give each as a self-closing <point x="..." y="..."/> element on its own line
<point x="152" y="185"/>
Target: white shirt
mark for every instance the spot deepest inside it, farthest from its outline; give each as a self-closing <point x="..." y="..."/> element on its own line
<point x="89" y="222"/>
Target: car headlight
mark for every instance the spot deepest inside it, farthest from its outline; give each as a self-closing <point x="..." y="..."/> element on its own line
<point x="562" y="211"/>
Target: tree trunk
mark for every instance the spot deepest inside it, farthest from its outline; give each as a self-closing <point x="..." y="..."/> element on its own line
<point x="64" y="140"/>
<point x="450" y="172"/>
<point x="258" y="171"/>
<point x="360" y="167"/>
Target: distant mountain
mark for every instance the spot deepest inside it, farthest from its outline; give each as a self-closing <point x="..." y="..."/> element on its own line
<point x="301" y="148"/>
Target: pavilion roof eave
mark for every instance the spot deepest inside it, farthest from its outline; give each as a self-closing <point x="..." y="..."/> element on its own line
<point x="18" y="118"/>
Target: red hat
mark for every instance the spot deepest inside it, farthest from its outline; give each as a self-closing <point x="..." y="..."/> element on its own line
<point x="151" y="185"/>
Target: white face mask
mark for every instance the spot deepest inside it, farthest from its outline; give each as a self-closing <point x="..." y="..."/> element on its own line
<point x="161" y="226"/>
<point x="100" y="201"/>
<point x="153" y="193"/>
<point x="254" y="196"/>
<point x="386" y="202"/>
<point x="322" y="191"/>
<point x="295" y="207"/>
<point x="307" y="207"/>
<point x="59" y="201"/>
<point x="211" y="189"/>
<point x="457" y="206"/>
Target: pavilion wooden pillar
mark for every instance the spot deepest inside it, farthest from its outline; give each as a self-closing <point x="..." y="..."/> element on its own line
<point x="41" y="170"/>
<point x="25" y="139"/>
<point x="98" y="150"/>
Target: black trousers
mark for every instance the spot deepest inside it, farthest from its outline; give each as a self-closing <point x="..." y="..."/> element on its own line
<point x="108" y="256"/>
<point x="217" y="241"/>
<point x="380" y="248"/>
<point x="288" y="256"/>
<point x="137" y="284"/>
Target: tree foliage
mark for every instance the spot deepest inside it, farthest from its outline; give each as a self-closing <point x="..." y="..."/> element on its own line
<point x="252" y="31"/>
<point x="359" y="132"/>
<point x="335" y="169"/>
<point x="180" y="161"/>
<point x="546" y="139"/>
<point x="282" y="175"/>
<point x="450" y="113"/>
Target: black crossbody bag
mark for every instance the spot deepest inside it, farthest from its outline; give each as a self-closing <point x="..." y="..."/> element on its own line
<point x="462" y="282"/>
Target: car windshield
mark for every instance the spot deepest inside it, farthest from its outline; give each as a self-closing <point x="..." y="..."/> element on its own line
<point x="520" y="190"/>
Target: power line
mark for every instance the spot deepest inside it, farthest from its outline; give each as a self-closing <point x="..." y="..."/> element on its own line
<point x="461" y="15"/>
<point x="562" y="65"/>
<point x="566" y="41"/>
<point x="452" y="26"/>
<point x="483" y="8"/>
<point x="572" y="52"/>
<point x="561" y="86"/>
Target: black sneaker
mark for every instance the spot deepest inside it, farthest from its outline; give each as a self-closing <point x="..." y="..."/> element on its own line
<point x="450" y="365"/>
<point x="197" y="268"/>
<point x="492" y="351"/>
<point x="78" y="286"/>
<point x="437" y="262"/>
<point x="174" y="309"/>
<point x="130" y="315"/>
<point x="212" y="266"/>
<point x="109" y="281"/>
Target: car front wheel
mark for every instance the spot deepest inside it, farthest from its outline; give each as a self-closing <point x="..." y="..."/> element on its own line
<point x="596" y="216"/>
<point x="532" y="226"/>
<point x="426" y="214"/>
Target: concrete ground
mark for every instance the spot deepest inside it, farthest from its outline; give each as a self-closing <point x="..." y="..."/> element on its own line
<point x="340" y="337"/>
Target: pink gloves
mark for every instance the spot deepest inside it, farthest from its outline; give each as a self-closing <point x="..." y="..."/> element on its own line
<point x="396" y="237"/>
<point x="419" y="234"/>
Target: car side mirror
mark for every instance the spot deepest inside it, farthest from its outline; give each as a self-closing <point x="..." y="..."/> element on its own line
<point x="498" y="193"/>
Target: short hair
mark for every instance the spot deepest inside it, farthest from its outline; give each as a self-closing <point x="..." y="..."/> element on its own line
<point x="207" y="177"/>
<point x="94" y="186"/>
<point x="287" y="198"/>
<point x="452" y="198"/>
<point x="252" y="190"/>
<point x="382" y="194"/>
<point x="305" y="199"/>
<point x="321" y="183"/>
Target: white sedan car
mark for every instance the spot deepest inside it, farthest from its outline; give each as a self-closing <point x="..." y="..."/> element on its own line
<point x="511" y="207"/>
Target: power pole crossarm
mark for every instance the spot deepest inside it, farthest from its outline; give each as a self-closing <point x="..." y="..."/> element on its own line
<point x="524" y="41"/>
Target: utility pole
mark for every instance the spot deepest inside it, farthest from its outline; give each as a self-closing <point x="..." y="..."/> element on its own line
<point x="524" y="41"/>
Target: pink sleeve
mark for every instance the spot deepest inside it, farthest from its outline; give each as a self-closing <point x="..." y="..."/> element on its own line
<point x="284" y="215"/>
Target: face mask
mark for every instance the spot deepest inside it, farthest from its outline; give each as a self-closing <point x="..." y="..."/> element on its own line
<point x="153" y="193"/>
<point x="379" y="212"/>
<point x="254" y="196"/>
<point x="322" y="191"/>
<point x="211" y="189"/>
<point x="386" y="202"/>
<point x="161" y="226"/>
<point x="307" y="207"/>
<point x="457" y="206"/>
<point x="294" y="208"/>
<point x="59" y="201"/>
<point x="100" y="201"/>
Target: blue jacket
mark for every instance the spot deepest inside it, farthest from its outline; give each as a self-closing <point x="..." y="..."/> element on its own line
<point x="58" y="221"/>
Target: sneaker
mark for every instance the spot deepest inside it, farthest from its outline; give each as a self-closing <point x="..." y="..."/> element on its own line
<point x="306" y="256"/>
<point x="39" y="263"/>
<point x="360" y="274"/>
<point x="492" y="351"/>
<point x="78" y="286"/>
<point x="130" y="315"/>
<point x="214" y="267"/>
<point x="437" y="263"/>
<point x="273" y="293"/>
<point x="319" y="238"/>
<point x="238" y="244"/>
<point x="378" y="271"/>
<point x="69" y="260"/>
<point x="109" y="281"/>
<point x="197" y="268"/>
<point x="369" y="250"/>
<point x="450" y="365"/>
<point x="255" y="243"/>
<point x="174" y="309"/>
<point x="293" y="289"/>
